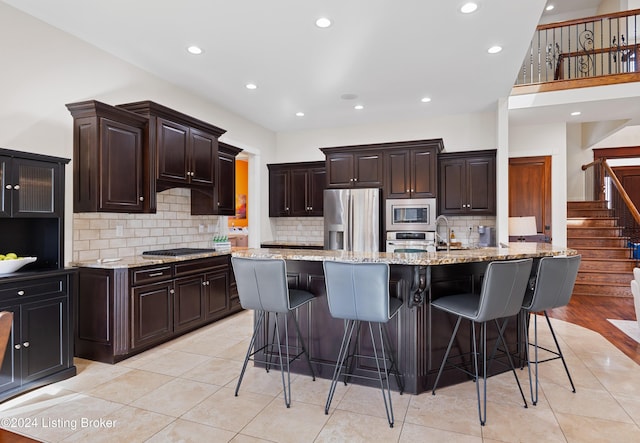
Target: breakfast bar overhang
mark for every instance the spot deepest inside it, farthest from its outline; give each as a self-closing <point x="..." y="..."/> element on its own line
<point x="418" y="334"/>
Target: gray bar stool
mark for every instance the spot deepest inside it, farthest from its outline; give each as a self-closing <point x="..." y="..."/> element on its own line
<point x="359" y="292"/>
<point x="262" y="286"/>
<point x="502" y="293"/>
<point x="553" y="287"/>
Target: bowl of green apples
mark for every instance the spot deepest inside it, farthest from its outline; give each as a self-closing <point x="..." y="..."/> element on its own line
<point x="10" y="262"/>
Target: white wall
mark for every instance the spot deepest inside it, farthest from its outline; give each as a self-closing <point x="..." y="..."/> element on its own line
<point x="44" y="68"/>
<point x="539" y="140"/>
<point x="463" y="132"/>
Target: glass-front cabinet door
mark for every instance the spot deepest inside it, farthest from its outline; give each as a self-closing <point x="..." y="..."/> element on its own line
<point x="28" y="188"/>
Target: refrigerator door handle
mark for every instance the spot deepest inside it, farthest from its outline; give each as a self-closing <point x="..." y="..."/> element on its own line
<point x="350" y="223"/>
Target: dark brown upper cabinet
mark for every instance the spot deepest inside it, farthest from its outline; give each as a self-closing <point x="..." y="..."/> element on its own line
<point x="468" y="183"/>
<point x="354" y="167"/>
<point x="30" y="188"/>
<point x="184" y="149"/>
<point x="296" y="189"/>
<point x="411" y="169"/>
<point x="221" y="199"/>
<point x="110" y="160"/>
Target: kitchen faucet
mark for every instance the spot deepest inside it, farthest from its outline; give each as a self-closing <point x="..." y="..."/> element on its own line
<point x="442" y="218"/>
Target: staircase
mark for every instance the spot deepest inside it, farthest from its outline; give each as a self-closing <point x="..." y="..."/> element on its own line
<point x="606" y="268"/>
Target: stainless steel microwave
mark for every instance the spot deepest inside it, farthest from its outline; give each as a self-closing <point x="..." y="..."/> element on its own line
<point x="411" y="214"/>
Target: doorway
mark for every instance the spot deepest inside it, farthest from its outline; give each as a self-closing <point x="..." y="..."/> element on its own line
<point x="530" y="190"/>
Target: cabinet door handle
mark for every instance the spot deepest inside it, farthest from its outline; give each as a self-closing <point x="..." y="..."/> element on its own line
<point x="171" y="291"/>
<point x="204" y="283"/>
<point x="20" y="292"/>
<point x="9" y="187"/>
<point x="25" y="344"/>
<point x="156" y="274"/>
<point x="17" y="346"/>
<point x="141" y="199"/>
<point x="208" y="283"/>
<point x="16" y="187"/>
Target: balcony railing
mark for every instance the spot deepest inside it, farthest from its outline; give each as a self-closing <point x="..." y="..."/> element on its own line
<point x="598" y="46"/>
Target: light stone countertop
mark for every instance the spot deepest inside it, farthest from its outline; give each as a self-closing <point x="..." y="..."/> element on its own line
<point x="144" y="260"/>
<point x="512" y="252"/>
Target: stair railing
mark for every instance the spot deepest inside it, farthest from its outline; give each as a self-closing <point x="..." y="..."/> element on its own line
<point x="603" y="184"/>
<point x="591" y="47"/>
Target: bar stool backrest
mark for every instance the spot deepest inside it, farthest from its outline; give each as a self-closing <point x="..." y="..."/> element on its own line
<point x="503" y="288"/>
<point x="358" y="291"/>
<point x="554" y="283"/>
<point x="262" y="283"/>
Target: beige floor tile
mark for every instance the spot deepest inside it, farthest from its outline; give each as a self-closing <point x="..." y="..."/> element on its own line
<point x="175" y="397"/>
<point x="65" y="418"/>
<point x="586" y="403"/>
<point x="518" y="424"/>
<point x="619" y="382"/>
<point x="631" y="404"/>
<point x="130" y="386"/>
<point x="180" y="398"/>
<point x="449" y="413"/>
<point x="259" y="381"/>
<point x="127" y="424"/>
<point x="89" y="374"/>
<point x="368" y="401"/>
<point x="225" y="411"/>
<point x="185" y="431"/>
<point x="301" y="422"/>
<point x="349" y="426"/>
<point x="579" y="429"/>
<point x="174" y="363"/>
<point x="215" y="371"/>
<point x="415" y="433"/>
<point x="34" y="401"/>
<point x="306" y="390"/>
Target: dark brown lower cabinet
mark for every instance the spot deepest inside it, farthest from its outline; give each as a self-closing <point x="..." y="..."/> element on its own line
<point x="39" y="351"/>
<point x="121" y="312"/>
<point x="151" y="314"/>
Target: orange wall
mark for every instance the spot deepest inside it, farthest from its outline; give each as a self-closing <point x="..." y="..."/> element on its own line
<point x="242" y="194"/>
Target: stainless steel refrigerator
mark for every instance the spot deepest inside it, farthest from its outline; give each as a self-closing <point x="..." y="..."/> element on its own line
<point x="352" y="219"/>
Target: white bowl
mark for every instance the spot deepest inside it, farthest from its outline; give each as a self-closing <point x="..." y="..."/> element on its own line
<point x="9" y="266"/>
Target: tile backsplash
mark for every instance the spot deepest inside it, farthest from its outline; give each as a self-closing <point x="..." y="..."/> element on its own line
<point x="111" y="235"/>
<point x="298" y="229"/>
<point x="311" y="229"/>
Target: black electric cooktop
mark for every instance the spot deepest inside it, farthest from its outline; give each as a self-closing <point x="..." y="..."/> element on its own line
<point x="177" y="252"/>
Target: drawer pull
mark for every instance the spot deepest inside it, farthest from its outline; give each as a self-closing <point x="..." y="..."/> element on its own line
<point x="21" y="292"/>
<point x="156" y="274"/>
<point x="25" y="344"/>
<point x="17" y="346"/>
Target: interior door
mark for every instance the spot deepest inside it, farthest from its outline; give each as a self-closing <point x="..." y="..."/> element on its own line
<point x="530" y="190"/>
<point x="629" y="176"/>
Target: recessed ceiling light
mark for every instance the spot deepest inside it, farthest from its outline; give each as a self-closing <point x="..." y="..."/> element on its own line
<point x="549" y="7"/>
<point x="358" y="107"/>
<point x="576" y="113"/>
<point x="251" y="86"/>
<point x="468" y="8"/>
<point x="323" y="22"/>
<point x="425" y="99"/>
<point x="494" y="49"/>
<point x="299" y="114"/>
<point x="194" y="50"/>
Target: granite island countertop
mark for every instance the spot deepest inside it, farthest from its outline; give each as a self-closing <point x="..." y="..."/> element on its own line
<point x="136" y="261"/>
<point x="511" y="252"/>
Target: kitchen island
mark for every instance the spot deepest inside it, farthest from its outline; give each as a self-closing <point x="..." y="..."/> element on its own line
<point x="418" y="334"/>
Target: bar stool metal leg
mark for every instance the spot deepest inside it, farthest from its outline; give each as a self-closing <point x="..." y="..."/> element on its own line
<point x="250" y="352"/>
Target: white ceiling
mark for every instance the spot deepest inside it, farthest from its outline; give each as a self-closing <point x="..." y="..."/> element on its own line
<point x="389" y="53"/>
